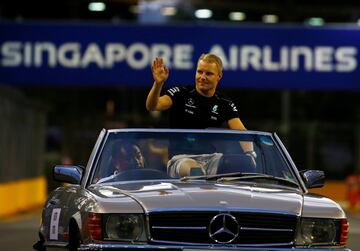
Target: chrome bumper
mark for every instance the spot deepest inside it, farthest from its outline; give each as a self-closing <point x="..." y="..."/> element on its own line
<point x="195" y="248"/>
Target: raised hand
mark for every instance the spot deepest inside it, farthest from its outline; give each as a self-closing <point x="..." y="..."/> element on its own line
<point x="159" y="71"/>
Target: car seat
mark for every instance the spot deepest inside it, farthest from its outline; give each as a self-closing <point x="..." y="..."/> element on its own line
<point x="231" y="163"/>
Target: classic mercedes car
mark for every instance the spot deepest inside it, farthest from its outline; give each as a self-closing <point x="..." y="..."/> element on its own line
<point x="156" y="189"/>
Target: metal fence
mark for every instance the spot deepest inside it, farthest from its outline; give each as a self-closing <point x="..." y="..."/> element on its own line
<point x="22" y="136"/>
<point x="332" y="147"/>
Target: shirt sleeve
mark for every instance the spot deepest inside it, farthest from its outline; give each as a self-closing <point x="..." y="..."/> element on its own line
<point x="174" y="92"/>
<point x="231" y="110"/>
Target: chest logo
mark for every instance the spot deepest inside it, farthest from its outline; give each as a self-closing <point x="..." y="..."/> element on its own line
<point x="190" y="103"/>
<point x="215" y="109"/>
<point x="234" y="107"/>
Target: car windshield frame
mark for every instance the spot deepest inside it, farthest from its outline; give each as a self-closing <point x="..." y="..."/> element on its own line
<point x="267" y="139"/>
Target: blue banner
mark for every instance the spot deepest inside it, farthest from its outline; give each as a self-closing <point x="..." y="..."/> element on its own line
<point x="93" y="54"/>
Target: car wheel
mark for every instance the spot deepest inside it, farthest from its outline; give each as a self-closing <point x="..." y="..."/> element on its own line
<point x="74" y="238"/>
<point x="39" y="246"/>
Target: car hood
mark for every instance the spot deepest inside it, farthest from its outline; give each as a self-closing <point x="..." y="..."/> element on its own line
<point x="198" y="195"/>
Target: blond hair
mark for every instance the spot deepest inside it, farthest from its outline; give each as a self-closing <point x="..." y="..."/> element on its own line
<point x="212" y="58"/>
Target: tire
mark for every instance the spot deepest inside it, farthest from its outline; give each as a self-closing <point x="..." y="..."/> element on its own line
<point x="74" y="238"/>
<point x="39" y="246"/>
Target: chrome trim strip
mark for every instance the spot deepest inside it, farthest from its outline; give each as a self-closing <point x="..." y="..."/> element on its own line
<point x="170" y="130"/>
<point x="266" y="229"/>
<point x="55" y="244"/>
<point x="221" y="210"/>
<point x="179" y="228"/>
<point x="222" y="245"/>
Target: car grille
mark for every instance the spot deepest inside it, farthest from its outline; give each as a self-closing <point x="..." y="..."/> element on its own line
<point x="193" y="227"/>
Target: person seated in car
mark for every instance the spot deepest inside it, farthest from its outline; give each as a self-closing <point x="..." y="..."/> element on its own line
<point x="125" y="156"/>
<point x="185" y="167"/>
<point x="193" y="164"/>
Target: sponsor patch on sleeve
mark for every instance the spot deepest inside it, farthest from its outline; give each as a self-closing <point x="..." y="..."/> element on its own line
<point x="173" y="90"/>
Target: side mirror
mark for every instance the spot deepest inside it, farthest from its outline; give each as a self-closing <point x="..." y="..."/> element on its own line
<point x="313" y="178"/>
<point x="68" y="174"/>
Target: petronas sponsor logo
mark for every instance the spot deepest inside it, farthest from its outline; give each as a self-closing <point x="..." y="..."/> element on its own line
<point x="214" y="109"/>
<point x="234" y="107"/>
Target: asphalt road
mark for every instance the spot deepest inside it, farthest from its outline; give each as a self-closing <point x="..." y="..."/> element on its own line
<point x="20" y="233"/>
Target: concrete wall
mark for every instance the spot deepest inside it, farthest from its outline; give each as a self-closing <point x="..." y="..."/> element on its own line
<point x="22" y="148"/>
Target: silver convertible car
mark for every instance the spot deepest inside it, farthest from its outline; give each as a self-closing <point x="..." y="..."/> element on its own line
<point x="156" y="189"/>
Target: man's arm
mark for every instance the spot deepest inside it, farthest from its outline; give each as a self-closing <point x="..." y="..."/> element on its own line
<point x="248" y="147"/>
<point x="160" y="74"/>
<point x="156" y="103"/>
<point x="236" y="124"/>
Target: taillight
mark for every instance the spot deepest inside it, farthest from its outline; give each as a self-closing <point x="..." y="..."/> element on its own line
<point x="95" y="226"/>
<point x="344" y="232"/>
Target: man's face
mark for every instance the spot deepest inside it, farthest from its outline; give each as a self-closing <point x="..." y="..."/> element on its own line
<point x="129" y="159"/>
<point x="138" y="157"/>
<point x="207" y="78"/>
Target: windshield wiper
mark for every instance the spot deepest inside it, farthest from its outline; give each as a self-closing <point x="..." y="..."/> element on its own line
<point x="257" y="176"/>
<point x="228" y="177"/>
<point x="218" y="176"/>
<point x="201" y="177"/>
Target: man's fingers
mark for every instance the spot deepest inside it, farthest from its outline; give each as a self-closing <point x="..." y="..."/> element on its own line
<point x="159" y="69"/>
<point x="158" y="62"/>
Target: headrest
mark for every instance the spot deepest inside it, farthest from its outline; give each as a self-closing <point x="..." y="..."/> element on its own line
<point x="231" y="163"/>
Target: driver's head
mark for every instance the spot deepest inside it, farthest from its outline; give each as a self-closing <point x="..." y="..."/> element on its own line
<point x="127" y="156"/>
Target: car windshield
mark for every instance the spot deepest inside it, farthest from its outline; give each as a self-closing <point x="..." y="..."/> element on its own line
<point x="189" y="155"/>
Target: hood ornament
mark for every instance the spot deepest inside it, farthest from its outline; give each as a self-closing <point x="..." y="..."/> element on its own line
<point x="223" y="228"/>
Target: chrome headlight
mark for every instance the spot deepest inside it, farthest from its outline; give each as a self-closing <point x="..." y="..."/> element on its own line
<point x="320" y="232"/>
<point x="125" y="227"/>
